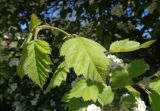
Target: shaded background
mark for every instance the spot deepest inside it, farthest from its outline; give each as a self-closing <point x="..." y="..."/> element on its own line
<point x="101" y="20"/>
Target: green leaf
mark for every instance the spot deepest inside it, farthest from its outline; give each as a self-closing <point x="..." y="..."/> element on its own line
<point x="120" y="78"/>
<point x="59" y="76"/>
<point x="106" y="96"/>
<point x="86" y="89"/>
<point x="124" y="46"/>
<point x="35" y="21"/>
<point x="136" y="68"/>
<point x="86" y="57"/>
<point x="132" y="91"/>
<point x="147" y="44"/>
<point x="154" y="99"/>
<point x="77" y="104"/>
<point x="127" y="45"/>
<point x="155" y="85"/>
<point x="35" y="61"/>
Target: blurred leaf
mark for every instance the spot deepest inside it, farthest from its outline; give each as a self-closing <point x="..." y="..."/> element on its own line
<point x="86" y="57"/>
<point x="147" y="44"/>
<point x="35" y="61"/>
<point x="128" y="101"/>
<point x="77" y="104"/>
<point x="154" y="99"/>
<point x="120" y="78"/>
<point x="155" y="85"/>
<point x="136" y="68"/>
<point x="133" y="91"/>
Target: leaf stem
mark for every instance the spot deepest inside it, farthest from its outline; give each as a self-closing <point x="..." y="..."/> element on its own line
<point x="43" y="27"/>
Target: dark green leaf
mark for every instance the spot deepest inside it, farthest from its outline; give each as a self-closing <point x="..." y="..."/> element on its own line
<point x="136" y="68"/>
<point x="154" y="99"/>
<point x="120" y="78"/>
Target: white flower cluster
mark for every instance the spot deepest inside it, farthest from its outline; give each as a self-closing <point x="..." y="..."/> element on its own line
<point x="140" y="105"/>
<point x="93" y="107"/>
<point x="115" y="62"/>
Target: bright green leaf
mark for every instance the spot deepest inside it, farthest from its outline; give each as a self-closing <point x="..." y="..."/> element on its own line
<point x="35" y="21"/>
<point x="59" y="76"/>
<point x="86" y="89"/>
<point x="136" y="68"/>
<point x="86" y="57"/>
<point x="120" y="78"/>
<point x="154" y="99"/>
<point x="127" y="45"/>
<point x="155" y="85"/>
<point x="124" y="46"/>
<point x="35" y="61"/>
<point x="106" y="96"/>
<point x="147" y="44"/>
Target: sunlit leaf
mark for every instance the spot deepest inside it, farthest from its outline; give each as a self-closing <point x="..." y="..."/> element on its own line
<point x="127" y="45"/>
<point x="86" y="89"/>
<point x="147" y="44"/>
<point x="106" y="96"/>
<point x="86" y="57"/>
<point x="35" y="61"/>
<point x="124" y="46"/>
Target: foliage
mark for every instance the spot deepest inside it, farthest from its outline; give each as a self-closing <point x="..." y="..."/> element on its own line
<point x="106" y="22"/>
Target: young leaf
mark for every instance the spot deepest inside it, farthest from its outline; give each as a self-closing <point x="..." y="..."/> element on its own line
<point x="155" y="85"/>
<point x="124" y="46"/>
<point x="86" y="89"/>
<point x="147" y="44"/>
<point x="127" y="46"/>
<point x="86" y="57"/>
<point x="136" y="68"/>
<point x="106" y="96"/>
<point x="35" y="61"/>
<point x="35" y="21"/>
<point x="120" y="78"/>
<point x="59" y="76"/>
<point x="154" y="99"/>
